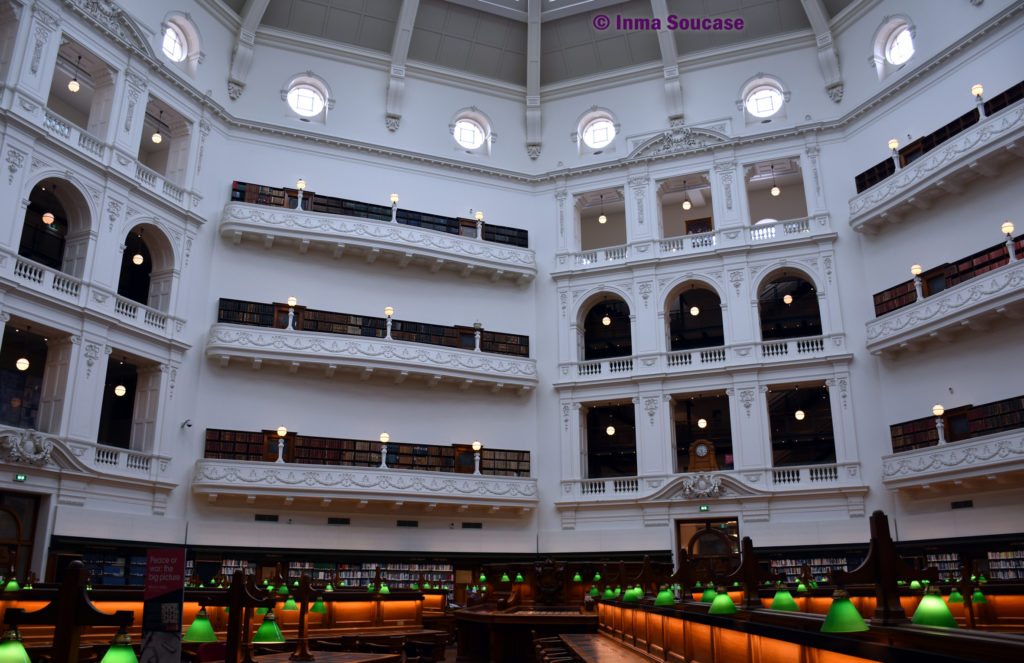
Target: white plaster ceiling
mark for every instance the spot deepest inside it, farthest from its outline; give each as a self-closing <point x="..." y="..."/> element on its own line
<point x="488" y="38"/>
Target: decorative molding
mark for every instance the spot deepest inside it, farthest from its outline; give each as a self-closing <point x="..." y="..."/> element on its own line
<point x="113" y="212"/>
<point x="990" y="455"/>
<point x="111" y="19"/>
<point x="702" y="485"/>
<point x="91" y="352"/>
<point x="651" y="407"/>
<point x="26" y="446"/>
<point x="682" y="140"/>
<point x="15" y="160"/>
<point x="644" y="289"/>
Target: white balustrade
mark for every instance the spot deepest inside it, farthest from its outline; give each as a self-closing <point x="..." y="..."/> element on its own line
<point x="57" y="125"/>
<point x="49" y="280"/>
<point x="146" y="175"/>
<point x="175" y="192"/>
<point x="589" y="368"/>
<point x="809" y="345"/>
<point x="762" y="232"/>
<point x="794" y="476"/>
<point x="91" y="144"/>
<point x="774" y="349"/>
<point x="27" y="271"/>
<point x="672" y="245"/>
<point x="155" y="318"/>
<point x="819" y="473"/>
<point x="586" y="258"/>
<point x="712" y="356"/>
<point x="620" y="365"/>
<point x="785" y="476"/>
<point x="701" y="240"/>
<point x="796" y="226"/>
<point x="592" y="487"/>
<point x="625" y="485"/>
<point x="679" y="358"/>
<point x="126" y="308"/>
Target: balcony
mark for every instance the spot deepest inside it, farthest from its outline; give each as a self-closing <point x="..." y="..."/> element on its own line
<point x="831" y="347"/>
<point x="60" y="288"/>
<point x="242" y="483"/>
<point x="722" y="484"/>
<point x="369" y="356"/>
<point x="711" y="243"/>
<point x="982" y="149"/>
<point x="995" y="460"/>
<point x="372" y="238"/>
<point x="971" y="304"/>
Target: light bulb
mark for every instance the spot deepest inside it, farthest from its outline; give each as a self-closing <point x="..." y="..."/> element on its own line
<point x="292" y="302"/>
<point x="74" y="85"/>
<point x="787" y="299"/>
<point x="48" y="218"/>
<point x="394" y="199"/>
<point x="389" y="311"/>
<point x="21" y="364"/>
<point x="479" y="216"/>
<point x="687" y="204"/>
<point x="610" y="430"/>
<point x="120" y="390"/>
<point x="477" y="445"/>
<point x="301" y="184"/>
<point x="281" y="431"/>
<point x="977" y="90"/>
<point x="385" y="438"/>
<point x="694" y="311"/>
<point x="1007" y="227"/>
<point x="702" y="423"/>
<point x="915" y="270"/>
<point x="602" y="219"/>
<point x="137" y="259"/>
<point x="894" y="144"/>
<point x="157" y="138"/>
<point x="799" y="414"/>
<point x="938" y="410"/>
<point x="606" y="320"/>
<point x="776" y="191"/>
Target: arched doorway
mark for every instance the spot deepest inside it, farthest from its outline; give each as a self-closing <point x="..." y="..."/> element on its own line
<point x="787" y="304"/>
<point x="607" y="329"/>
<point x="55" y="232"/>
<point x="694" y="317"/>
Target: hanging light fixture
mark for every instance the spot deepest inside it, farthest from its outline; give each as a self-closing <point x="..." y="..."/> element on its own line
<point x="21" y="363"/>
<point x="201" y="629"/>
<point x="290" y="604"/>
<point x="11" y="648"/>
<point x="606" y="320"/>
<point x="783" y="600"/>
<point x="157" y="137"/>
<point x="73" y="84"/>
<point x="137" y="259"/>
<point x="48" y="218"/>
<point x="775" y="190"/>
<point x="787" y="299"/>
<point x="843" y="616"/>
<point x="933" y="611"/>
<point x="799" y="415"/>
<point x="610" y="429"/>
<point x="268" y="631"/>
<point x="694" y="311"/>
<point x="121" y="650"/>
<point x="602" y="219"/>
<point x="702" y="423"/>
<point x="120" y="390"/>
<point x="686" y="198"/>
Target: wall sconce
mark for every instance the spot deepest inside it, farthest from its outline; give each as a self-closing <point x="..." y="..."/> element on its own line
<point x="477" y="446"/>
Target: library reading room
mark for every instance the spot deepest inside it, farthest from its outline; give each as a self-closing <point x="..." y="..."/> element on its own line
<point x="513" y="331"/>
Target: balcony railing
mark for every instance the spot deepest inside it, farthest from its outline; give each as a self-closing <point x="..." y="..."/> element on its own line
<point x="46" y="279"/>
<point x="256" y="346"/>
<point x="717" y="484"/>
<point x="370" y="238"/>
<point x="814" y="348"/>
<point x="997" y="292"/>
<point x="939" y="164"/>
<point x="980" y="461"/>
<point x="238" y="483"/>
<point x="763" y="234"/>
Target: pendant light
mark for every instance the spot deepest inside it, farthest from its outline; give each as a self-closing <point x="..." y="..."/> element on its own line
<point x="21" y="364"/>
<point x="686" y="198"/>
<point x="11" y="648"/>
<point x="121" y="650"/>
<point x="799" y="415"/>
<point x="775" y="190"/>
<point x="290" y="604"/>
<point x="120" y="390"/>
<point x="48" y="218"/>
<point x="157" y="137"/>
<point x="201" y="629"/>
<point x="268" y="631"/>
<point x="702" y="423"/>
<point x="138" y="259"/>
<point x="602" y="219"/>
<point x="843" y="617"/>
<point x="694" y="311"/>
<point x="73" y="84"/>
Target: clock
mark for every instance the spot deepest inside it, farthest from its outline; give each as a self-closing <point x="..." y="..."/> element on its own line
<point x="702" y="456"/>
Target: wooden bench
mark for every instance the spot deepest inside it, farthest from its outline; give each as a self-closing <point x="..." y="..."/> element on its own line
<point x="600" y="648"/>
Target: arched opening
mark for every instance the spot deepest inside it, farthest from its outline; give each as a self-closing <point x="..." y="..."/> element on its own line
<point x="117" y="410"/>
<point x="694" y="317"/>
<point x="606" y="329"/>
<point x="55" y="232"/>
<point x="22" y="365"/>
<point x="147" y="266"/>
<point x="787" y="304"/>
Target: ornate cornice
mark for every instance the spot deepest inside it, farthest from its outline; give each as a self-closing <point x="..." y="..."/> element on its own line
<point x="492" y="258"/>
<point x="924" y="318"/>
<point x="990" y="455"/>
<point x="299" y="348"/>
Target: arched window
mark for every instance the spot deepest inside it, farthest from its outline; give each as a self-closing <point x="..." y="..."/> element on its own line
<point x="147" y="267"/>
<point x="308" y="97"/>
<point x="607" y="330"/>
<point x="595" y="131"/>
<point x="55" y="231"/>
<point x="762" y="98"/>
<point x="788" y="307"/>
<point x="893" y="46"/>
<point x="22" y="368"/>
<point x="472" y="131"/>
<point x="180" y="42"/>
<point x="694" y="318"/>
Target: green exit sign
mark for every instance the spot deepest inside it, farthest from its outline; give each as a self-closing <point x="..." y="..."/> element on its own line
<point x="703" y="508"/>
<point x="20" y="477"/>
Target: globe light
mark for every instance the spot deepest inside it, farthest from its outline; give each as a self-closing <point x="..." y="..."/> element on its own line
<point x="602" y="219"/>
<point x="281" y="431"/>
<point x="787" y="299"/>
<point x="292" y="302"/>
<point x="799" y="415"/>
<point x="157" y="137"/>
<point x="301" y="184"/>
<point x="694" y="311"/>
<point x="21" y="364"/>
<point x="915" y="270"/>
<point x="938" y="410"/>
<point x="137" y="259"/>
<point x="894" y="144"/>
<point x="48" y="219"/>
<point x="702" y="423"/>
<point x="74" y="85"/>
<point x="479" y="215"/>
<point x="388" y="311"/>
<point x="977" y="90"/>
<point x="610" y="430"/>
<point x="477" y="445"/>
<point x="394" y="199"/>
<point x="776" y="192"/>
<point x="1007" y="227"/>
<point x="385" y="438"/>
<point x="120" y="390"/>
<point x="606" y="320"/>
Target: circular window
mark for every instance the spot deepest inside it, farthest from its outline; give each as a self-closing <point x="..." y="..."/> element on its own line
<point x="900" y="46"/>
<point x="468" y="133"/>
<point x="306" y="100"/>
<point x="764" y="101"/>
<point x="174" y="43"/>
<point x="598" y="133"/>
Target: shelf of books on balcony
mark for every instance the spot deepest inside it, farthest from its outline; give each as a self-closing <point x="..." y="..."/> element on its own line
<point x="360" y="575"/>
<point x="258" y="194"/>
<point x="918" y="148"/>
<point x="258" y="314"/>
<point x="111" y="568"/>
<point x="961" y="423"/>
<point x="948" y="564"/>
<point x="312" y="450"/>
<point x="938" y="278"/>
<point x="820" y="566"/>
<point x="1006" y="565"/>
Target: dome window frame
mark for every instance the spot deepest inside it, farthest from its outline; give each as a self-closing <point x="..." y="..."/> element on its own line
<point x="186" y="34"/>
<point x="303" y="81"/>
<point x="477" y="118"/>
<point x="757" y="84"/>
<point x="586" y="121"/>
<point x="886" y="37"/>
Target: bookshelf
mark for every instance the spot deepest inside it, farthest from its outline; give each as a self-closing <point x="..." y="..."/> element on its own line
<point x="948" y="564"/>
<point x="962" y="423"/>
<point x="820" y="566"/>
<point x="245" y="192"/>
<point x="504" y="463"/>
<point x="240" y="312"/>
<point x="111" y="568"/>
<point x="396" y="574"/>
<point x="1006" y="565"/>
<point x="1005" y="98"/>
<point x="874" y="175"/>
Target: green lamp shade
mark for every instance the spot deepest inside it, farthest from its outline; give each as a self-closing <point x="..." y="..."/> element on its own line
<point x="735" y="583"/>
<point x="329" y="588"/>
<point x="483" y="577"/>
<point x="914" y="584"/>
<point x="268" y="631"/>
<point x="426" y="585"/>
<point x="665" y="597"/>
<point x="120" y="650"/>
<point x="843" y="617"/>
<point x="266" y="581"/>
<point x="800" y="587"/>
<point x="415" y="586"/>
<point x="295" y="584"/>
<point x="814" y="585"/>
<point x="505" y="578"/>
<point x="697" y="584"/>
<point x="519" y="577"/>
<point x="577" y="577"/>
<point x="608" y="593"/>
<point x="631" y="595"/>
<point x="261" y="611"/>
<point x="982" y="579"/>
<point x="784" y="601"/>
<point x="12" y="585"/>
<point x="370" y="587"/>
<point x="594" y="591"/>
<point x="901" y="582"/>
<point x="978" y="597"/>
<point x="708" y="596"/>
<point x="290" y="604"/>
<point x="384" y="588"/>
<point x="955" y="596"/>
<point x="201" y="629"/>
<point x="11" y="649"/>
<point x="933" y="611"/>
<point x="283" y="589"/>
<point x="926" y="582"/>
<point x="722" y="605"/>
<point x="597" y="576"/>
<point x="319" y="606"/>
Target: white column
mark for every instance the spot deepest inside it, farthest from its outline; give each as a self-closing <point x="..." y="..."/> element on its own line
<point x="571" y="441"/>
<point x="36" y="72"/>
<point x="130" y="116"/>
<point x="654" y="434"/>
<point x="61" y="358"/>
<point x="101" y="113"/>
<point x="640" y="219"/>
<point x="148" y="414"/>
<point x="180" y="147"/>
<point x="83" y="391"/>
<point x="726" y="199"/>
<point x="77" y="248"/>
<point x="748" y="416"/>
<point x="843" y="422"/>
<point x="814" y="189"/>
<point x="4" y="319"/>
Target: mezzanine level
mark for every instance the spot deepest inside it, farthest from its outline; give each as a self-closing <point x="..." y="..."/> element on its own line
<point x="988" y="461"/>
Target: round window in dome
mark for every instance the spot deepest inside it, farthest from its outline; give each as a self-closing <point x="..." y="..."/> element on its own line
<point x="764" y="101"/>
<point x="174" y="45"/>
<point x="306" y="100"/>
<point x="598" y="133"/>
<point x="468" y="133"/>
<point x="900" y="47"/>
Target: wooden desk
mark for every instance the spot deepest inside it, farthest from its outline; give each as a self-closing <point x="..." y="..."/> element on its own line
<point x="336" y="657"/>
<point x="597" y="648"/>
